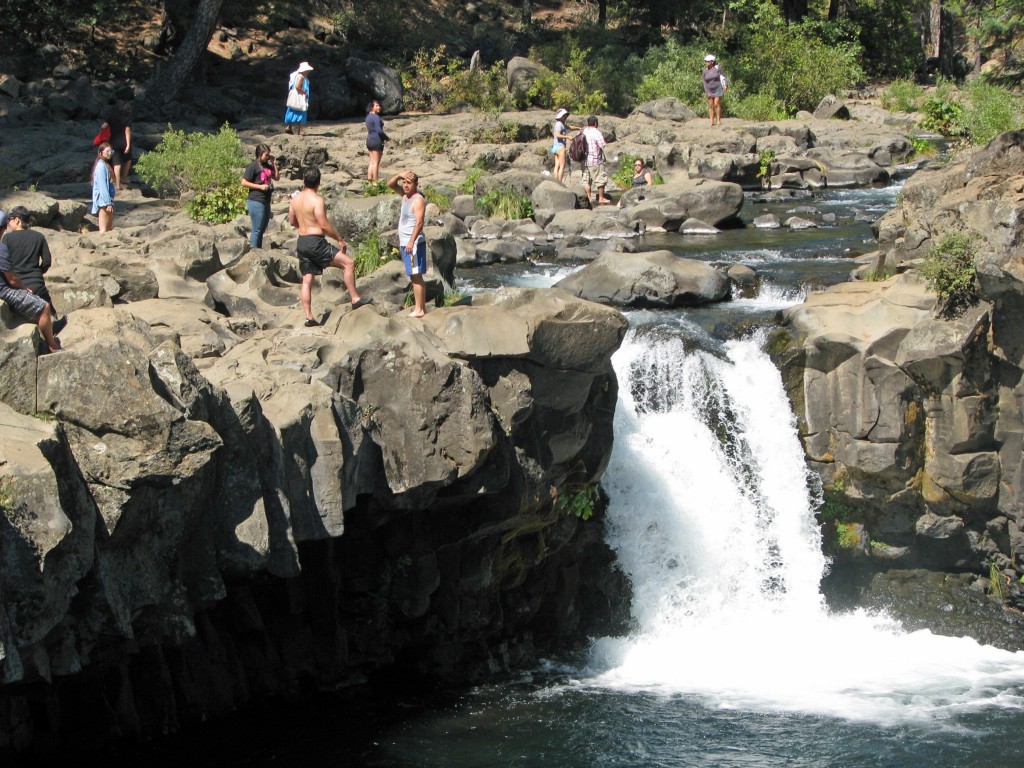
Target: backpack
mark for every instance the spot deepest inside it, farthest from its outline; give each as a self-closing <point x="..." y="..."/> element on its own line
<point x="578" y="148"/>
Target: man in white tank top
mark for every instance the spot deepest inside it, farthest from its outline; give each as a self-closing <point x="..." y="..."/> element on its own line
<point x="410" y="236"/>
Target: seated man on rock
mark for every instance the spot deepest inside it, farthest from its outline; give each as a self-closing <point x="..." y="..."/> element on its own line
<point x="30" y="258"/>
<point x="20" y="299"/>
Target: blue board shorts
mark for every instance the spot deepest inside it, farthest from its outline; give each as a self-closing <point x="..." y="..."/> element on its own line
<point x="419" y="266"/>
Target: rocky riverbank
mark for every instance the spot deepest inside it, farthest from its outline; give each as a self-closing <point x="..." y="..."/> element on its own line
<point x="911" y="418"/>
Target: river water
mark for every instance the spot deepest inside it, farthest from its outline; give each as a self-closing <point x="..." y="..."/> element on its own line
<point x="735" y="661"/>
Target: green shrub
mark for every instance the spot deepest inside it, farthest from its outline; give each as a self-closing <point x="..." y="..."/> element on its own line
<point x="949" y="269"/>
<point x="375" y="188"/>
<point x="506" y="203"/>
<point x="219" y="205"/>
<point x="903" y="96"/>
<point x="586" y="79"/>
<point x="451" y="298"/>
<point x="923" y="147"/>
<point x="766" y="159"/>
<point x="497" y="132"/>
<point x="758" y="106"/>
<point x="578" y="500"/>
<point x="674" y="70"/>
<point x="426" y="80"/>
<point x="942" y="117"/>
<point x="198" y="162"/>
<point x="990" y="111"/>
<point x="372" y="253"/>
<point x="802" y="72"/>
<point x="483" y="88"/>
<point x="473" y="174"/>
<point x="438" y="142"/>
<point x="437" y="82"/>
<point x="438" y="198"/>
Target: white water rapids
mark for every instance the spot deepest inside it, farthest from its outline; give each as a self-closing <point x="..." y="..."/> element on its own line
<point x="712" y="519"/>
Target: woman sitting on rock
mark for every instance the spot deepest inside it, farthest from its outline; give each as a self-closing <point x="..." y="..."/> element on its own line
<point x="103" y="187"/>
<point x="642" y="176"/>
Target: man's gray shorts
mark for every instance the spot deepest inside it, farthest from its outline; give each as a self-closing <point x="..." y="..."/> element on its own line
<point x="23" y="302"/>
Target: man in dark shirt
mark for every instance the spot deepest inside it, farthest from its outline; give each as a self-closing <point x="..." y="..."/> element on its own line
<point x="22" y="300"/>
<point x="30" y="258"/>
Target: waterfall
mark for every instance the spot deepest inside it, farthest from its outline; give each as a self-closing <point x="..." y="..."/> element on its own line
<point x="712" y="519"/>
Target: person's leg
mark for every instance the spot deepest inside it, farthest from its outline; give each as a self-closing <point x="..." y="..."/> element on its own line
<point x="560" y="165"/>
<point x="106" y="219"/>
<point x="126" y="169"/>
<point x="45" y="325"/>
<point x="374" y="166"/>
<point x="306" y="295"/>
<point x="419" y="296"/>
<point x="711" y="109"/>
<point x="600" y="180"/>
<point x="117" y="173"/>
<point x="587" y="183"/>
<point x="258" y="211"/>
<point x="347" y="265"/>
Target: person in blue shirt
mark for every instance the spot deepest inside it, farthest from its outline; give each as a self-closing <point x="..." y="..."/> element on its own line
<point x="103" y="189"/>
<point x="375" y="138"/>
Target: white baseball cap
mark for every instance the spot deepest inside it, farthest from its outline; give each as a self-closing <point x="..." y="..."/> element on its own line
<point x="709" y="57"/>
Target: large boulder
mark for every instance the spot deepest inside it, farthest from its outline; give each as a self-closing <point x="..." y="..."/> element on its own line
<point x="377" y="81"/>
<point x="831" y="107"/>
<point x="666" y="206"/>
<point x="520" y="74"/>
<point x="648" y="279"/>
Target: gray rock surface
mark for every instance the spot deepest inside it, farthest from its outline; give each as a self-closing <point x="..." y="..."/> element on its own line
<point x="648" y="279"/>
<point x="912" y="418"/>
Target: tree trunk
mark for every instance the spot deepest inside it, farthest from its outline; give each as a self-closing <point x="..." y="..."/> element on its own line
<point x="935" y="29"/>
<point x="834" y="10"/>
<point x="794" y="10"/>
<point x="602" y="12"/>
<point x="168" y="82"/>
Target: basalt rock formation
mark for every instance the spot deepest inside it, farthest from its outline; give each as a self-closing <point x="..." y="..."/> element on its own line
<point x="913" y="419"/>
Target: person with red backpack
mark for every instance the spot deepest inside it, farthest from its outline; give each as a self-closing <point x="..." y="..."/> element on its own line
<point x="593" y="166"/>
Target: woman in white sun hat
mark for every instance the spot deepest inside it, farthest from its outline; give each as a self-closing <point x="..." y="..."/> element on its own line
<point x="298" y="99"/>
<point x="715" y="84"/>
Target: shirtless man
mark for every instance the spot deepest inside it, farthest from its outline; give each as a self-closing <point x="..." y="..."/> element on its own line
<point x="308" y="214"/>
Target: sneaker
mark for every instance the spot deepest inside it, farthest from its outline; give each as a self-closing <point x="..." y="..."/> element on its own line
<point x="362" y="303"/>
<point x="312" y="323"/>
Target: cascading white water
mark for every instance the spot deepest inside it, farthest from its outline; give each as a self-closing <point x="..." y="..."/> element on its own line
<point x="712" y="519"/>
